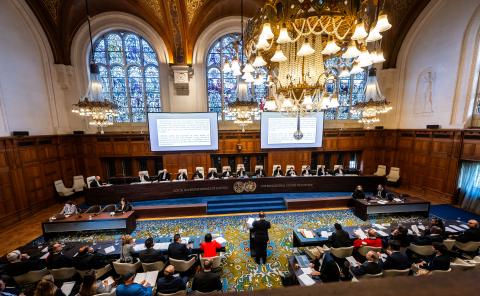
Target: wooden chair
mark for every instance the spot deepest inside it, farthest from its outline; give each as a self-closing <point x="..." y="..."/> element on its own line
<point x="202" y="171"/>
<point x="179" y="293"/>
<point x="394" y="175"/>
<point x="142" y="175"/>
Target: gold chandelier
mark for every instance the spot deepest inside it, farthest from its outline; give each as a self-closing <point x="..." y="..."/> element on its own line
<point x="293" y="37"/>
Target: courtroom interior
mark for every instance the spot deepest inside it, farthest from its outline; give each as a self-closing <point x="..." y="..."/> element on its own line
<point x="270" y="147"/>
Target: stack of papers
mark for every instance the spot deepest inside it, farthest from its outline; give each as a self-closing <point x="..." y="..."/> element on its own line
<point x="378" y="226"/>
<point x="382" y="202"/>
<point x="382" y="233"/>
<point x="421" y="227"/>
<point x="359" y="232"/>
<point x="456" y="227"/>
<point x="449" y="229"/>
<point x="150" y="277"/>
<point x="306" y="279"/>
<point x="307" y="233"/>
<point x="67" y="288"/>
<point x="464" y="226"/>
<point x="325" y="234"/>
<point x="307" y="270"/>
<point x="161" y="246"/>
<point x="220" y="240"/>
<point x="415" y="230"/>
<point x="139" y="247"/>
<point x="250" y="222"/>
<point x="352" y="261"/>
<point x="109" y="250"/>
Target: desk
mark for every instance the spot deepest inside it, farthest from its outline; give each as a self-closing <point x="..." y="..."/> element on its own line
<point x="191" y="188"/>
<point x="122" y="221"/>
<point x="364" y="208"/>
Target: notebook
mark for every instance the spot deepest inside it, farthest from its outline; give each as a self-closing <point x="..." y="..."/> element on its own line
<point x="306" y="279"/>
<point x="67" y="288"/>
<point x="149" y="276"/>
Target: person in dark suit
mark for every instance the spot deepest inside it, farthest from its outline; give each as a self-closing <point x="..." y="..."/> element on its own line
<point x="197" y="175"/>
<point x="177" y="250"/>
<point x="291" y="172"/>
<point x="435" y="235"/>
<point x="96" y="182"/>
<point x="278" y="172"/>
<point x="150" y="255"/>
<point x="306" y="171"/>
<point x="241" y="173"/>
<point x="472" y="234"/>
<point x="400" y="234"/>
<point x="371" y="266"/>
<point x="340" y="238"/>
<point x="435" y="221"/>
<point x="128" y="287"/>
<point x="181" y="176"/>
<point x="56" y="259"/>
<point x="124" y="205"/>
<point x="227" y="173"/>
<point x="142" y="177"/>
<point x="87" y="259"/>
<point x="381" y="192"/>
<point x="395" y="259"/>
<point x="260" y="238"/>
<point x="260" y="173"/>
<point x="338" y="171"/>
<point x="207" y="281"/>
<point x="164" y="176"/>
<point x="321" y="171"/>
<point x="325" y="267"/>
<point x="212" y="174"/>
<point x="358" y="193"/>
<point x="169" y="284"/>
<point x="441" y="260"/>
<point x="19" y="263"/>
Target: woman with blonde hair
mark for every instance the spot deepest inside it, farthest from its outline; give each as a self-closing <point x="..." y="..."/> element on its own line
<point x="90" y="286"/>
<point x="126" y="256"/>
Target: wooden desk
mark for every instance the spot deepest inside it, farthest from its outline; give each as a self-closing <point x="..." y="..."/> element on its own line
<point x="104" y="221"/>
<point x="364" y="208"/>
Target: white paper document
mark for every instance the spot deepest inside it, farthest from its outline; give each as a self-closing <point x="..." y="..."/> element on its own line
<point x="67" y="288"/>
<point x="410" y="232"/>
<point x="149" y="276"/>
<point x="396" y="199"/>
<point x="110" y="280"/>
<point x="45" y="256"/>
<point x="109" y="250"/>
<point x="378" y="226"/>
<point x="250" y="222"/>
<point x="360" y="233"/>
<point x="307" y="270"/>
<point x="45" y="250"/>
<point x="185" y="240"/>
<point x="456" y="227"/>
<point x="139" y="247"/>
<point x="464" y="226"/>
<point x="382" y="202"/>
<point x="450" y="229"/>
<point x="415" y="230"/>
<point x="325" y="234"/>
<point x="306" y="279"/>
<point x="352" y="261"/>
<point x="161" y="246"/>
<point x="382" y="233"/>
<point x="421" y="227"/>
<point x="220" y="240"/>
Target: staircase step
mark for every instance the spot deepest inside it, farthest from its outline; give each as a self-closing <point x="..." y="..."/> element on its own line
<point x="246" y="209"/>
<point x="249" y="203"/>
<point x="246" y="199"/>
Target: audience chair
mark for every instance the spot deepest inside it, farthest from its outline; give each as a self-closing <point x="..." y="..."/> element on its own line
<point x="216" y="261"/>
<point x="204" y="293"/>
<point x="460" y="264"/>
<point x="396" y="272"/>
<point x="320" y="166"/>
<point x="78" y="183"/>
<point x="178" y="293"/>
<point x="89" y="180"/>
<point x="363" y="250"/>
<point x="30" y="277"/>
<point x="274" y="166"/>
<point x="468" y="246"/>
<point x="381" y="170"/>
<point x="159" y="265"/>
<point x="93" y="210"/>
<point x="241" y="165"/>
<point x="440" y="271"/>
<point x="394" y="175"/>
<point x="181" y="265"/>
<point x="201" y="170"/>
<point x="257" y="167"/>
<point x="124" y="268"/>
<point x="98" y="272"/>
<point x="109" y="208"/>
<point x="62" y="190"/>
<point x="212" y="169"/>
<point x="160" y="171"/>
<point x="183" y="171"/>
<point x="342" y="252"/>
<point x="105" y="294"/>
<point x="63" y="274"/>
<point x="225" y="168"/>
<point x="449" y="243"/>
<point x="142" y="174"/>
<point x="422" y="250"/>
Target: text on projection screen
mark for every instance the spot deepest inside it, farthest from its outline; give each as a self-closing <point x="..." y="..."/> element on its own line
<point x="184" y="132"/>
<point x="281" y="130"/>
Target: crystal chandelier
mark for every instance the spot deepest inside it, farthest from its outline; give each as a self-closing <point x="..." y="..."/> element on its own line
<point x="293" y="37"/>
<point x="101" y="112"/>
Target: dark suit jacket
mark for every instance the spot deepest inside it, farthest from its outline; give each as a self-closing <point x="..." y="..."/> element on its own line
<point x="291" y="173"/>
<point x="260" y="230"/>
<point x="277" y="173"/>
<point x="59" y="260"/>
<point x="164" y="176"/>
<point x="304" y="172"/>
<point x="224" y="174"/>
<point x="170" y="285"/>
<point x="403" y="238"/>
<point x="88" y="261"/>
<point x="198" y="175"/>
<point x="241" y="174"/>
<point x="260" y="173"/>
<point x="357" y="194"/>
<point x="469" y="235"/>
<point x="320" y="172"/>
<point x="367" y="268"/>
<point x="151" y="255"/>
<point x="94" y="183"/>
<point x="337" y="171"/>
<point x="178" y="251"/>
<point x="206" y="282"/>
<point x="383" y="193"/>
<point x="427" y="240"/>
<point x="439" y="263"/>
<point x="340" y="239"/>
<point x="397" y="261"/>
<point x="126" y="208"/>
<point x="146" y="178"/>
<point x="329" y="271"/>
<point x="212" y="173"/>
<point x="18" y="268"/>
<point x="182" y="174"/>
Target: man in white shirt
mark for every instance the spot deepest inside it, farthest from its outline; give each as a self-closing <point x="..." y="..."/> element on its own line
<point x="69" y="208"/>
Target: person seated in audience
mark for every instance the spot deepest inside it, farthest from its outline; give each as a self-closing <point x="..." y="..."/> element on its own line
<point x="338" y="171"/>
<point x="19" y="263"/>
<point x="358" y="193"/>
<point x="260" y="173"/>
<point x="7" y="287"/>
<point x="87" y="259"/>
<point x="227" y="173"/>
<point x="46" y="287"/>
<point x="142" y="177"/>
<point x="164" y="176"/>
<point x="178" y="250"/>
<point x="212" y="175"/>
<point x="181" y="176"/>
<point x="197" y="175"/>
<point x="209" y="246"/>
<point x="169" y="284"/>
<point x="241" y="173"/>
<point x="56" y="259"/>
<point x="130" y="288"/>
<point x="321" y="171"/>
<point x="372" y="240"/>
<point x="278" y="172"/>
<point x="90" y="286"/>
<point x="395" y="259"/>
<point x="440" y="261"/>
<point x="340" y="238"/>
<point x="435" y="221"/>
<point x="96" y="182"/>
<point x="472" y="234"/>
<point x="400" y="234"/>
<point x="124" y="205"/>
<point x="127" y="253"/>
<point x="70" y="208"/>
<point x="291" y="172"/>
<point x="207" y="281"/>
<point x="381" y="192"/>
<point x="150" y="255"/>
<point x="324" y="267"/>
<point x="373" y="265"/>
<point x="306" y="171"/>
<point x="435" y="235"/>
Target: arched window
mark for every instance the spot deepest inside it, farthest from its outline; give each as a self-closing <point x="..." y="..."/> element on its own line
<point x="222" y="87"/>
<point x="129" y="72"/>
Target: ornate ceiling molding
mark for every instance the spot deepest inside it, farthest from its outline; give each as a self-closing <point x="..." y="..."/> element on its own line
<point x="193" y="6"/>
<point x="52" y="7"/>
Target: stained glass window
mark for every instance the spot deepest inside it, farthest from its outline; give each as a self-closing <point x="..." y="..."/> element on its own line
<point x="222" y="87"/>
<point x="129" y="72"/>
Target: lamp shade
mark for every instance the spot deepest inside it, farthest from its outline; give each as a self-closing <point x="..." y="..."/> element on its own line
<point x="258" y="80"/>
<point x="259" y="61"/>
<point x="373" y="36"/>
<point x="364" y="59"/>
<point x="267" y="31"/>
<point x="305" y="50"/>
<point x="359" y="32"/>
<point x="351" y="52"/>
<point x="283" y="36"/>
<point x="270" y="105"/>
<point x="378" y="57"/>
<point x="95" y="85"/>
<point x="382" y="22"/>
<point x="330" y="48"/>
<point x="262" y="43"/>
<point x="248" y="68"/>
<point x="344" y="73"/>
<point x="355" y="69"/>
<point x="235" y="65"/>
<point x="237" y="72"/>
<point x="278" y="56"/>
<point x="226" y="67"/>
<point x="287" y="103"/>
<point x="334" y="101"/>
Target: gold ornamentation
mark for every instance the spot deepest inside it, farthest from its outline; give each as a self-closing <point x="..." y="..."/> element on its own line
<point x="52" y="7"/>
<point x="192" y="8"/>
<point x="238" y="187"/>
<point x="155" y="6"/>
<point x="250" y="186"/>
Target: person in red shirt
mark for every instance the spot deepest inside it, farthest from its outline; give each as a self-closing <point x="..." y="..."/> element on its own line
<point x="372" y="240"/>
<point x="209" y="247"/>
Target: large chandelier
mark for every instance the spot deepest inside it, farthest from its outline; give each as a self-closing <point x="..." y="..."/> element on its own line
<point x="99" y="111"/>
<point x="293" y="37"/>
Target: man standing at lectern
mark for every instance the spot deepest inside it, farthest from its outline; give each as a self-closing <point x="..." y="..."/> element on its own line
<point x="260" y="238"/>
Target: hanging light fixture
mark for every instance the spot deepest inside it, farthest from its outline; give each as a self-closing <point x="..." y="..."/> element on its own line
<point x="382" y="22"/>
<point x="360" y="32"/>
<point x="352" y="51"/>
<point x="278" y="56"/>
<point x="331" y="48"/>
<point x="305" y="50"/>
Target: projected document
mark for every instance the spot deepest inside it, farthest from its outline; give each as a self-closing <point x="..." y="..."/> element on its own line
<point x="281" y="130"/>
<point x="184" y="132"/>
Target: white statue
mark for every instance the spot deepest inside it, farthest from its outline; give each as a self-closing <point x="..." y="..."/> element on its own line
<point x="424" y="92"/>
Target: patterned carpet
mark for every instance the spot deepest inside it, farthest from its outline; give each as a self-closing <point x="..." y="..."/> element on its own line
<point x="240" y="273"/>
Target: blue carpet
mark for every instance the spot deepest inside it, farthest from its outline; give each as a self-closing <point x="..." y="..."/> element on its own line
<point x="449" y="212"/>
